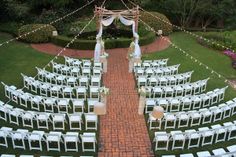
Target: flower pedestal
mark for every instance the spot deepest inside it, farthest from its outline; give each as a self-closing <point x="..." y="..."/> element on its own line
<point x="103" y="60"/>
<point x="142" y="100"/>
<point x="100" y="108"/>
<point x="131" y="65"/>
<point x="104" y="98"/>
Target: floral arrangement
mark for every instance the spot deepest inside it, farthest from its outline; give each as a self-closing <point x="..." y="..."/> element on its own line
<point x="104" y="90"/>
<point x="230" y="54"/>
<point x="130" y="55"/>
<point x="105" y="55"/>
<point x="142" y="91"/>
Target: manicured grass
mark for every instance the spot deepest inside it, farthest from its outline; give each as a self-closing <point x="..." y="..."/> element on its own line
<point x="213" y="59"/>
<point x="17" y="58"/>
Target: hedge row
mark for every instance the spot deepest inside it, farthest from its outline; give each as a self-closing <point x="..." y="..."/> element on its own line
<point x="220" y="38"/>
<point x="109" y="43"/>
<point x="157" y="24"/>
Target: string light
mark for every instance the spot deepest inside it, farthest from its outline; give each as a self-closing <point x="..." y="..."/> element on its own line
<point x="46" y="25"/>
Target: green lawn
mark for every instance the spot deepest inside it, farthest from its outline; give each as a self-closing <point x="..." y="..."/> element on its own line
<point x="17" y="58"/>
<point x="214" y="59"/>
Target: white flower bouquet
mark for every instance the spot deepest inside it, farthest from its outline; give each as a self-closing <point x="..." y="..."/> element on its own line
<point x="104" y="55"/>
<point x="104" y="90"/>
<point x="142" y="91"/>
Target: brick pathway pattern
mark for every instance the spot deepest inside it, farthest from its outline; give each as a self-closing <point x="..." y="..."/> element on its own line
<point x="123" y="132"/>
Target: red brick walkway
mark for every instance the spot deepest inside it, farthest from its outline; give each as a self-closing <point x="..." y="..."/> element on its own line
<point x="123" y="132"/>
<point x="158" y="45"/>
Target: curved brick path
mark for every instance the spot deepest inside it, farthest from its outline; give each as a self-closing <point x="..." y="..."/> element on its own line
<point x="158" y="45"/>
<point x="123" y="132"/>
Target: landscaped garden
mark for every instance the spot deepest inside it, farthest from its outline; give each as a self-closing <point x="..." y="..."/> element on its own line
<point x="110" y="78"/>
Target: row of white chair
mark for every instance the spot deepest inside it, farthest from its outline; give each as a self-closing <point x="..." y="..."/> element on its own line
<point x="52" y="90"/>
<point x="219" y="152"/>
<point x="80" y="62"/>
<point x="38" y="140"/>
<point x="42" y="120"/>
<point x="74" y="71"/>
<point x="194" y="139"/>
<point x="164" y="80"/>
<point x="177" y="90"/>
<point x="186" y="103"/>
<point x="48" y="104"/>
<point x="168" y="70"/>
<point x="60" y="79"/>
<point x="193" y="117"/>
<point x="151" y="63"/>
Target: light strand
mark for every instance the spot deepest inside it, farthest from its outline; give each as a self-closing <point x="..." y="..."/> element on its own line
<point x="46" y="25"/>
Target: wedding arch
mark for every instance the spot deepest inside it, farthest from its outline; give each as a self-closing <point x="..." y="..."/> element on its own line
<point x="106" y="17"/>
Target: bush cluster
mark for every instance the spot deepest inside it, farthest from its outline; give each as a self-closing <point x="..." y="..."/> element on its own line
<point x="157" y="24"/>
<point x="39" y="36"/>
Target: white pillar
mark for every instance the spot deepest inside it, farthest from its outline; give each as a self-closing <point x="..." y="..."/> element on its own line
<point x="131" y="65"/>
<point x="142" y="100"/>
<point x="103" y="60"/>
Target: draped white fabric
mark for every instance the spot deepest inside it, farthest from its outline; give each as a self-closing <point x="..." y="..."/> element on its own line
<point x="97" y="51"/>
<point x="108" y="21"/>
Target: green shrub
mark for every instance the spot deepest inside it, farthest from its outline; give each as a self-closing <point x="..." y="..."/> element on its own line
<point x="10" y="27"/>
<point x="82" y="44"/>
<point x="157" y="24"/>
<point x="40" y="36"/>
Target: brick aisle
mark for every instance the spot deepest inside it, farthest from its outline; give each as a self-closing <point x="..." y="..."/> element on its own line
<point x="123" y="132"/>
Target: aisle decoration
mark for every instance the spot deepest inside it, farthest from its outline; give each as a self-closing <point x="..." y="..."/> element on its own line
<point x="142" y="100"/>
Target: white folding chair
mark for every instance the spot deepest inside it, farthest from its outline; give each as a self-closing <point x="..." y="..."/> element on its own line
<point x="183" y="119"/>
<point x="71" y="140"/>
<point x="94" y="92"/>
<point x="207" y="136"/>
<point x="75" y="121"/>
<point x="35" y="140"/>
<point x="53" y="140"/>
<point x="63" y="105"/>
<point x="78" y="105"/>
<point x="27" y="119"/>
<point x="18" y="138"/>
<point x="58" y="121"/>
<point x="91" y="103"/>
<point x="170" y="121"/>
<point x="89" y="138"/>
<point x="195" y="118"/>
<point x="48" y="104"/>
<point x="193" y="138"/>
<point x="178" y="140"/>
<point x="35" y="102"/>
<point x="161" y="140"/>
<point x="220" y="133"/>
<point x="91" y="119"/>
<point x="81" y="92"/>
<point x="203" y="154"/>
<point x="4" y="133"/>
<point x="206" y="115"/>
<point x="42" y="119"/>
